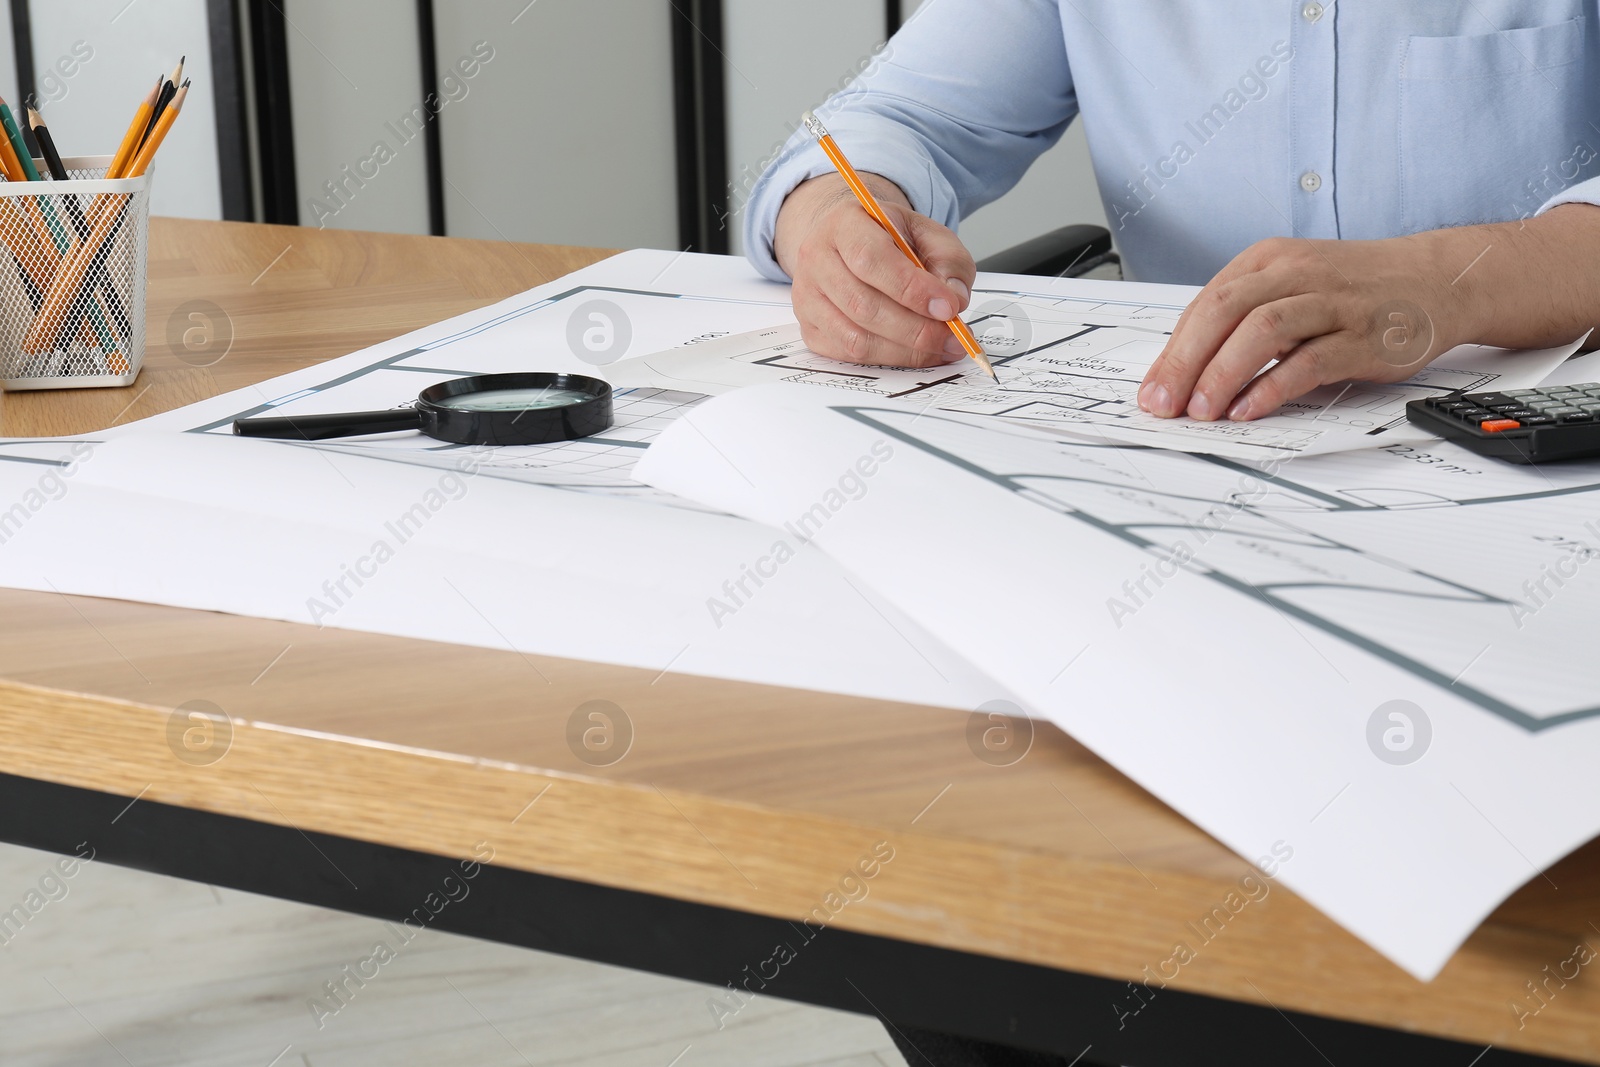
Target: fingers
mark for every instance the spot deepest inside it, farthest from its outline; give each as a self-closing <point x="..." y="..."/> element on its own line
<point x="1209" y="321"/>
<point x="942" y="253"/>
<point x="871" y="255"/>
<point x="860" y="299"/>
<point x="1307" y="312"/>
<point x="828" y="331"/>
<point x="1312" y="364"/>
<point x="1249" y="261"/>
<point x="898" y="337"/>
<point x="1270" y="332"/>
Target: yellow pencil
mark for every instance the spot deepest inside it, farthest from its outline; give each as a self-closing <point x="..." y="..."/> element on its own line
<point x="9" y="161"/>
<point x="165" y="90"/>
<point x="130" y="140"/>
<point x="147" y="151"/>
<point x="103" y="215"/>
<point x="21" y="237"/>
<point x="962" y="331"/>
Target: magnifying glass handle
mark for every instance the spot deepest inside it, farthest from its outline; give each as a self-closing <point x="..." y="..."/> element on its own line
<point x="323" y="427"/>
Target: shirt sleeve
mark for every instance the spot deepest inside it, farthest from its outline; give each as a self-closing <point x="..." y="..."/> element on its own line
<point x="958" y="105"/>
<point x="1585" y="192"/>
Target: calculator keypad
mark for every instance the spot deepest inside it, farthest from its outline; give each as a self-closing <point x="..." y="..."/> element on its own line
<point x="1567" y="417"/>
<point x="1516" y="409"/>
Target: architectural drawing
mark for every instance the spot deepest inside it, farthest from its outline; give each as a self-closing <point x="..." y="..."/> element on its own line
<point x="1363" y="546"/>
<point x="1075" y="364"/>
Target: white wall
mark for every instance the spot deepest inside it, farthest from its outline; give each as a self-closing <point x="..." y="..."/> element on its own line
<point x="352" y="78"/>
<point x="8" y="64"/>
<point x="129" y="44"/>
<point x="563" y="135"/>
<point x="566" y="136"/>
<point x="782" y="60"/>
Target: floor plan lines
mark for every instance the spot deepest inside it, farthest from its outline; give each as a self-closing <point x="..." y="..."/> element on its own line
<point x="1390" y="580"/>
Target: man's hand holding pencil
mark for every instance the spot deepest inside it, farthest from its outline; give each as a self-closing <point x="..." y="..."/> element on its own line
<point x="857" y="297"/>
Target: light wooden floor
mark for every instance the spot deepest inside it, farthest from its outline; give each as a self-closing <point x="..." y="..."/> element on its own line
<point x="136" y="970"/>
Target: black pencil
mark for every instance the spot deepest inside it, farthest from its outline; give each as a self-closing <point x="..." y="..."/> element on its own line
<point x="58" y="171"/>
<point x="100" y="288"/>
<point x="169" y="89"/>
<point x="47" y="145"/>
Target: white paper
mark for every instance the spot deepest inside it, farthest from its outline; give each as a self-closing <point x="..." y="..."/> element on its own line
<point x="550" y="549"/>
<point x="1249" y="723"/>
<point x="1577" y="370"/>
<point x="1070" y="358"/>
<point x="1227" y="636"/>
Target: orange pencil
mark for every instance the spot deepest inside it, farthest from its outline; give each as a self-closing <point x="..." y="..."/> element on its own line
<point x="130" y="140"/>
<point x="26" y="236"/>
<point x="69" y="279"/>
<point x="962" y="331"/>
<point x="10" y="163"/>
<point x="167" y="89"/>
<point x="21" y="238"/>
<point x="147" y="151"/>
<point x="43" y="247"/>
<point x="140" y="161"/>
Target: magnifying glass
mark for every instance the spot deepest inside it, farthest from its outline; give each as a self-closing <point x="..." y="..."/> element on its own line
<point x="485" y="409"/>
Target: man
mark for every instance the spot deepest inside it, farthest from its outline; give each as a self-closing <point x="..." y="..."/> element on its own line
<point x="1339" y="171"/>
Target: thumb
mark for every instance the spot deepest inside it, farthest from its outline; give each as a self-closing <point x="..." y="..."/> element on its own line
<point x="944" y="255"/>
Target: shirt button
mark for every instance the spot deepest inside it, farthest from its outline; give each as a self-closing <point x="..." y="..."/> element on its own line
<point x="1311" y="12"/>
<point x="1311" y="181"/>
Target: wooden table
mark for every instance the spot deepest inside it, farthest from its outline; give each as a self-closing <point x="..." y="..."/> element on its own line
<point x="1020" y="901"/>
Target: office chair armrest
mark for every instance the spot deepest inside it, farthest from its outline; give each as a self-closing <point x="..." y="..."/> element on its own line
<point x="1067" y="252"/>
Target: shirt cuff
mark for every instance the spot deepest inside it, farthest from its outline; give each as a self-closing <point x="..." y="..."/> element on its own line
<point x="873" y="144"/>
<point x="1585" y="192"/>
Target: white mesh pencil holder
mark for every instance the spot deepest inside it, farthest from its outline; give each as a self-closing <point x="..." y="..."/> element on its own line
<point x="73" y="258"/>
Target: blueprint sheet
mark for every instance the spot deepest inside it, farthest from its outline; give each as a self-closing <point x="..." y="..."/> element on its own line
<point x="1075" y="363"/>
<point x="548" y="549"/>
<point x="1237" y="688"/>
<point x="1383" y="660"/>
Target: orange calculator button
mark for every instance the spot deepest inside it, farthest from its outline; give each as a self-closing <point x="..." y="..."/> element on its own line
<point x="1496" y="425"/>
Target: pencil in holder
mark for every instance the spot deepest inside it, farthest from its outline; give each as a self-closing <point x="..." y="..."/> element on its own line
<point x="73" y="271"/>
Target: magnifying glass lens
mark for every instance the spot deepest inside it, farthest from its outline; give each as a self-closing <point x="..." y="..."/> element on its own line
<point x="514" y="399"/>
<point x="519" y="408"/>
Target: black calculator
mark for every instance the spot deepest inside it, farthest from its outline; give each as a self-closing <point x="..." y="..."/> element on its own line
<point x="1520" y="425"/>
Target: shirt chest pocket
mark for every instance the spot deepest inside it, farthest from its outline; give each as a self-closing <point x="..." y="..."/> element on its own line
<point x="1491" y="125"/>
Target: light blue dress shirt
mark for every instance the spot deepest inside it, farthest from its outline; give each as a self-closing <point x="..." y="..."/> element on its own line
<point x="1216" y="123"/>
